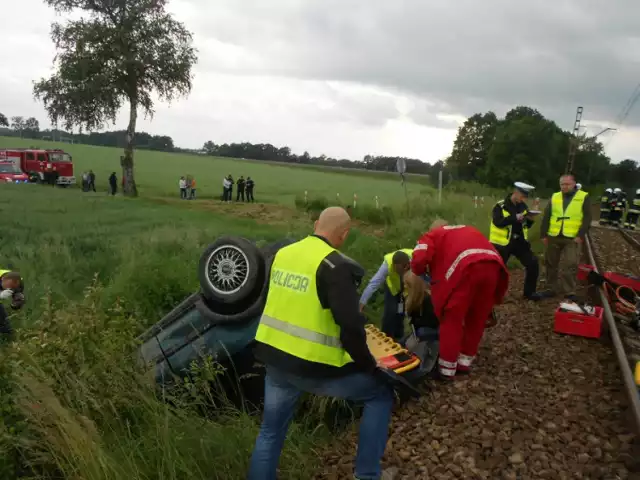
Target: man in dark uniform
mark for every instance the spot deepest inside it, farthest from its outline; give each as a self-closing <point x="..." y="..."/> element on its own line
<point x="631" y="221"/>
<point x="11" y="288"/>
<point x="241" y="184"/>
<point x="249" y="187"/>
<point x="509" y="234"/>
<point x="605" y="207"/>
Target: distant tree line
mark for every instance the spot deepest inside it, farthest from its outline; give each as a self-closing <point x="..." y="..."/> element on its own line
<point x="526" y="146"/>
<point x="268" y="152"/>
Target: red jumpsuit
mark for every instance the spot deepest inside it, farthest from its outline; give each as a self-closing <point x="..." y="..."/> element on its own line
<point x="468" y="278"/>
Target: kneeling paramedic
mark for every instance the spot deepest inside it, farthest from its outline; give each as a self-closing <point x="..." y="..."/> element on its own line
<point x="311" y="338"/>
<point x="509" y="234"/>
<point x="468" y="277"/>
<point x="11" y="288"/>
<point x="394" y="266"/>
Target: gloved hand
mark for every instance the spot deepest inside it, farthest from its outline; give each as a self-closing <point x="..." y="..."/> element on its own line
<point x="5" y="294"/>
<point x="18" y="301"/>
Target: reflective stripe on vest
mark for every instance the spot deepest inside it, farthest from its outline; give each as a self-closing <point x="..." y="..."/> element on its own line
<point x="293" y="319"/>
<point x="502" y="235"/>
<point x="393" y="279"/>
<point x="569" y="220"/>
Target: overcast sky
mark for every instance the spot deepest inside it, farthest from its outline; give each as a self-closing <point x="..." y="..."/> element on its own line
<point x="351" y="77"/>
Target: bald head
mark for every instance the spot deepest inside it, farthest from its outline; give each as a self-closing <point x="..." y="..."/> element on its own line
<point x="438" y="223"/>
<point x="333" y="224"/>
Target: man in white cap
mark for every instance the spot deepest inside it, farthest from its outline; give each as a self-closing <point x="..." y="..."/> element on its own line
<point x="509" y="234"/>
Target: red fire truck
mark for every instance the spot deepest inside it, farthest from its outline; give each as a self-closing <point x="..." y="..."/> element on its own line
<point x="42" y="166"/>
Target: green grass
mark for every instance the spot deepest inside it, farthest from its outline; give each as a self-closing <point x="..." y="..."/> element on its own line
<point x="101" y="269"/>
<point x="157" y="173"/>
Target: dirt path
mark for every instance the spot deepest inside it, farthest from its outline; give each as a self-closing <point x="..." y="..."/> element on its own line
<point x="538" y="405"/>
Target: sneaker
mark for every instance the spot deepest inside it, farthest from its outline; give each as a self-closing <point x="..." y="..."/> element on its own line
<point x="547" y="294"/>
<point x="534" y="297"/>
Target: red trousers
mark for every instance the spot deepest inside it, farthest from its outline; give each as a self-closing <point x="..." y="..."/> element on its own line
<point x="465" y="316"/>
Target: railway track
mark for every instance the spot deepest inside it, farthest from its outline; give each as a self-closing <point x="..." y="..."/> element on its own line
<point x="625" y="340"/>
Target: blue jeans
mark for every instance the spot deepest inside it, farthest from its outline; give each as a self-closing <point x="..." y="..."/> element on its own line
<point x="282" y="391"/>
<point x="392" y="321"/>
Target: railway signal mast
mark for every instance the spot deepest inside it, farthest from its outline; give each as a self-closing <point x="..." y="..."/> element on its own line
<point x="573" y="144"/>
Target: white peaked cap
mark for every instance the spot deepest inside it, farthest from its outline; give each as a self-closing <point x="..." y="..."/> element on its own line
<point x="524" y="187"/>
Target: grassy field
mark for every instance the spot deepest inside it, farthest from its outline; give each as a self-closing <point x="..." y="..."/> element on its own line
<point x="101" y="269"/>
<point x="157" y="173"/>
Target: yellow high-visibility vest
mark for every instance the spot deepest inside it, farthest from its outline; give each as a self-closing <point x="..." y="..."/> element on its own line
<point x="637" y="373"/>
<point x="568" y="220"/>
<point x="393" y="279"/>
<point x="635" y="206"/>
<point x="502" y="235"/>
<point x="293" y="319"/>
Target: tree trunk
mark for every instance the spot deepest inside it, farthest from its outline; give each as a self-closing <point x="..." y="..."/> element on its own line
<point x="130" y="188"/>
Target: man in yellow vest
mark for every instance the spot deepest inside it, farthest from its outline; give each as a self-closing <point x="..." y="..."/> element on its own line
<point x="311" y="338"/>
<point x="564" y="225"/>
<point x="11" y="288"/>
<point x="509" y="234"/>
<point x="390" y="274"/>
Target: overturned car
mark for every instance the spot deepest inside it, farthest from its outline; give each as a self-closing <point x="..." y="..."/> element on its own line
<point x="220" y="320"/>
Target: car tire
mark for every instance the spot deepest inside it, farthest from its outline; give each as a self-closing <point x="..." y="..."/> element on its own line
<point x="230" y="270"/>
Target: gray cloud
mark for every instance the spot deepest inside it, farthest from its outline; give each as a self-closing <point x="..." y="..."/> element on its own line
<point x="467" y="55"/>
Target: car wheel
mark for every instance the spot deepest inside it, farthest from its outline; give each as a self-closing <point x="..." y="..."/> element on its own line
<point x="230" y="270"/>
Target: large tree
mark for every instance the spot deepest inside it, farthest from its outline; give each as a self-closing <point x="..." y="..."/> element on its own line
<point x="3" y="121"/>
<point x="120" y="52"/>
<point x="32" y="127"/>
<point x="471" y="147"/>
<point x="17" y="123"/>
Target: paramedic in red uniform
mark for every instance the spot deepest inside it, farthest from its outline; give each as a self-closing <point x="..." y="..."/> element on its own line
<point x="468" y="277"/>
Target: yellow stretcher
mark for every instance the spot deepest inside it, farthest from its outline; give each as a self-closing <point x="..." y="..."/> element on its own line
<point x="389" y="352"/>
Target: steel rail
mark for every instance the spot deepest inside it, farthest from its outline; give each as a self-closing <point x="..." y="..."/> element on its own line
<point x="629" y="238"/>
<point x="618" y="346"/>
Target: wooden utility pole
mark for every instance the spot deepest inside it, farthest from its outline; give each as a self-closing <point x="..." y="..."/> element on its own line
<point x="573" y="143"/>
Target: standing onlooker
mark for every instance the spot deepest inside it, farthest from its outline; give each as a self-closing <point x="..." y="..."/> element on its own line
<point x="241" y="184"/>
<point x="231" y="182"/>
<point x="182" y="183"/>
<point x="225" y="189"/>
<point x="565" y="223"/>
<point x="249" y="186"/>
<point x="192" y="188"/>
<point x="92" y="181"/>
<point x="85" y="182"/>
<point x="113" y="183"/>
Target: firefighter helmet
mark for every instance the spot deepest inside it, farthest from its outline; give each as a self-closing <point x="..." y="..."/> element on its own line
<point x="578" y="186"/>
<point x="616" y="190"/>
<point x="608" y="190"/>
<point x="638" y="191"/>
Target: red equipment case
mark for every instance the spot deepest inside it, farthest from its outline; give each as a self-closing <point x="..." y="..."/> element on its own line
<point x="579" y="324"/>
